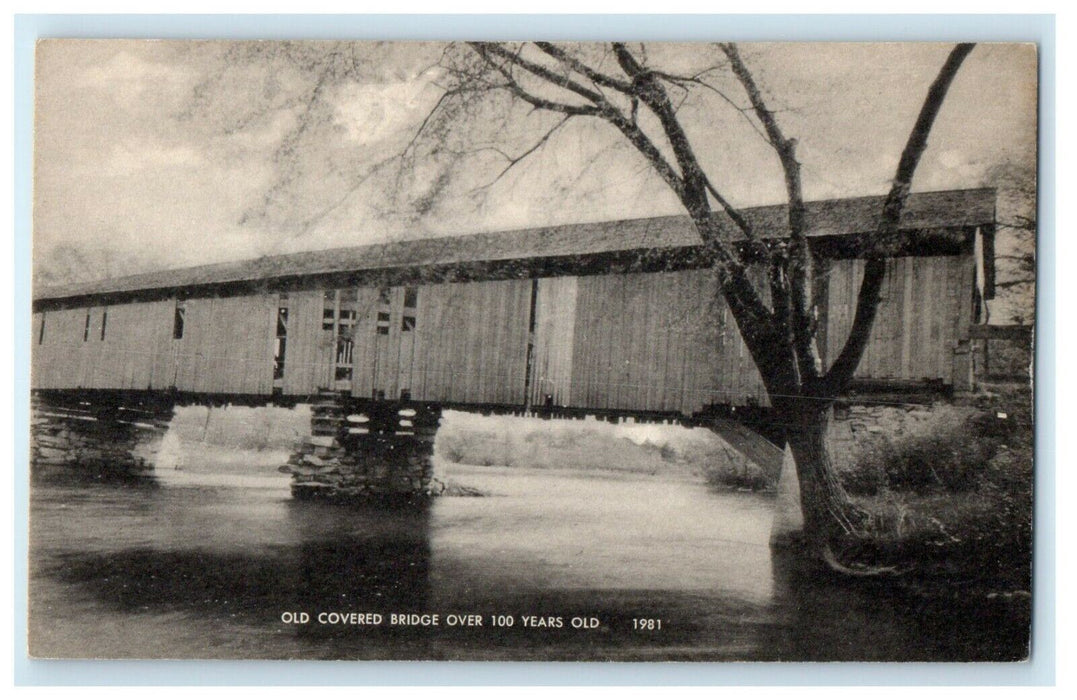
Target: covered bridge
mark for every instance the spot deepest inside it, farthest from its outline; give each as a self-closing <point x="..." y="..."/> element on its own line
<point x="612" y="316"/>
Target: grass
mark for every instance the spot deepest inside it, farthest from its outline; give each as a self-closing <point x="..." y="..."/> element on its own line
<point x="954" y="498"/>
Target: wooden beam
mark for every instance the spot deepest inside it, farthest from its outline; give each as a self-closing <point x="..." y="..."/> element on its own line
<point x="984" y="332"/>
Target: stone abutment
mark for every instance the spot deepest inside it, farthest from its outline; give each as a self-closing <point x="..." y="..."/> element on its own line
<point x="360" y="450"/>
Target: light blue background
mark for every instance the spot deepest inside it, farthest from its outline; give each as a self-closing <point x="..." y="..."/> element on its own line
<point x="1034" y="28"/>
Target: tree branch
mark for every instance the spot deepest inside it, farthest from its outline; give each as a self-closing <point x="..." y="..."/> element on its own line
<point x="539" y="71"/>
<point x="442" y="99"/>
<point x="753" y="317"/>
<point x="650" y="92"/>
<point x="869" y="296"/>
<point x="542" y="103"/>
<point x="583" y="69"/>
<point x="739" y="219"/>
<point x="696" y="80"/>
<point x="799" y="267"/>
<point x="513" y="161"/>
<point x="690" y="184"/>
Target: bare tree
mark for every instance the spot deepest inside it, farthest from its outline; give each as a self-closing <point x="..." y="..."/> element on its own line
<point x="617" y="85"/>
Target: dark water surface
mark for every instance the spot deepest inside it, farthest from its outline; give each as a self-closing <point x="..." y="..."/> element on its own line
<point x="202" y="564"/>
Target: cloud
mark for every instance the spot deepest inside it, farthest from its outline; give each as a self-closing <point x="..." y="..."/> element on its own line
<point x="125" y="72"/>
<point x="375" y="112"/>
<point x="116" y="168"/>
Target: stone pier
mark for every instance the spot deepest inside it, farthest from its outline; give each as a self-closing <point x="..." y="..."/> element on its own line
<point x="105" y="434"/>
<point x="365" y="450"/>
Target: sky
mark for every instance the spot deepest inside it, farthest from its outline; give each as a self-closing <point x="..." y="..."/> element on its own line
<point x="155" y="154"/>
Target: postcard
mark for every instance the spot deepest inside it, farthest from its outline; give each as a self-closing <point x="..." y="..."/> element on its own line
<point x="532" y="351"/>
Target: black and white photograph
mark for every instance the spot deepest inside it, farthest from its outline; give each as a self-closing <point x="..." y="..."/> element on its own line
<point x="532" y="351"/>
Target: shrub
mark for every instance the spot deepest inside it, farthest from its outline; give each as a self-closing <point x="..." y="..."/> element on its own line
<point x="729" y="469"/>
<point x="953" y="462"/>
<point x="948" y="452"/>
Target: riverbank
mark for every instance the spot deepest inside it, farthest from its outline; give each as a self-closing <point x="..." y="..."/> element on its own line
<point x="953" y="494"/>
<point x="590" y="445"/>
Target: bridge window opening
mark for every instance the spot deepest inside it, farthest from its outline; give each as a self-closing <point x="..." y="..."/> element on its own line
<point x="340" y="317"/>
<point x="104" y="322"/>
<point x="178" y="321"/>
<point x="282" y="321"/>
<point x="344" y="350"/>
<point x="329" y="312"/>
<point x="41" y="330"/>
<point x="279" y="350"/>
<point x="411" y="302"/>
<point x="280" y="347"/>
<point x="86" y="328"/>
<point x="384" y="300"/>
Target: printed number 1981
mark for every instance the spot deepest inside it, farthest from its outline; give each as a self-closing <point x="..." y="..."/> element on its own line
<point x="646" y="623"/>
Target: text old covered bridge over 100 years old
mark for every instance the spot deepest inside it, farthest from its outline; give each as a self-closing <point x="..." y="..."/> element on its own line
<point x="610" y="319"/>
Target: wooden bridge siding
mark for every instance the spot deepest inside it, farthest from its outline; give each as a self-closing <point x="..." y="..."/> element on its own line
<point x="736" y="380"/>
<point x="136" y="334"/>
<point x="45" y="372"/>
<point x="646" y="341"/>
<point x="367" y="368"/>
<point x="385" y="349"/>
<point x="307" y="360"/>
<point x="434" y="366"/>
<point x="227" y="345"/>
<point x="555" y="321"/>
<point x="926" y="309"/>
<point x="470" y="342"/>
<point x="135" y="337"/>
<point x="588" y="356"/>
<point x="656" y="341"/>
<point x="55" y="362"/>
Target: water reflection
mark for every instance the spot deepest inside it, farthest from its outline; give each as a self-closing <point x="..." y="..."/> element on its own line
<point x="202" y="564"/>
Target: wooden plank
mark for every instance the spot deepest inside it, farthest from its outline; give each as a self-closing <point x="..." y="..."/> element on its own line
<point x="555" y="312"/>
<point x="582" y="339"/>
<point x="440" y="328"/>
<point x="1008" y="332"/>
<point x="452" y="360"/>
<point x="907" y="308"/>
<point x="925" y="352"/>
<point x="304" y="328"/>
<point x="655" y="343"/>
<point x="691" y="318"/>
<point x="621" y="343"/>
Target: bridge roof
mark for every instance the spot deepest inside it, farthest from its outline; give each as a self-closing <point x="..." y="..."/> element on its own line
<point x="835" y="217"/>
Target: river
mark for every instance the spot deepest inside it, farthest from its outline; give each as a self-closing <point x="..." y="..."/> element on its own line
<point x="553" y="564"/>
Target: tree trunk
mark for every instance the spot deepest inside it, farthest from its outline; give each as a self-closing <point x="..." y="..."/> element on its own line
<point x="831" y="519"/>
